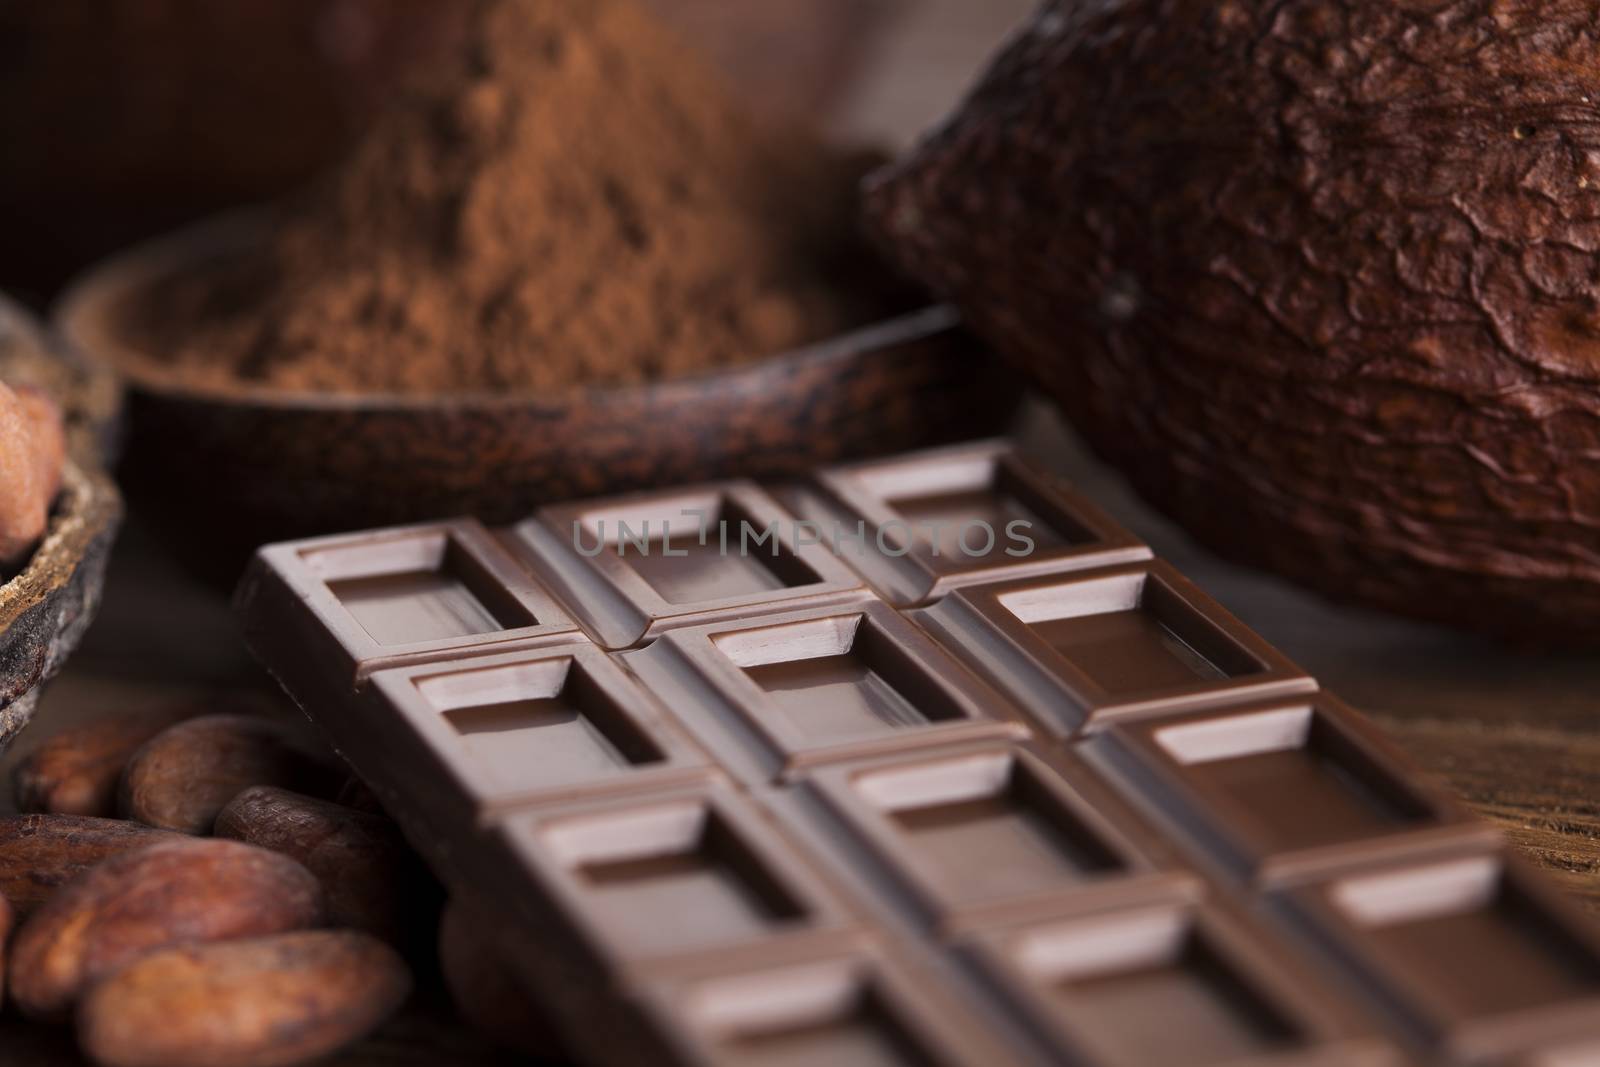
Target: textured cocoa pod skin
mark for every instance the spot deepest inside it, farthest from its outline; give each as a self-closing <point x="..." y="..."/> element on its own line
<point x="169" y="893"/>
<point x="371" y="879"/>
<point x="266" y="1002"/>
<point x="1317" y="275"/>
<point x="486" y="991"/>
<point x="40" y="853"/>
<point x="181" y="778"/>
<point x="76" y="771"/>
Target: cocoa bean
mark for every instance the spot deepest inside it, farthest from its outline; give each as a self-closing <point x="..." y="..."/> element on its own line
<point x="168" y="893"/>
<point x="266" y="1002"/>
<point x="370" y="877"/>
<point x="39" y="853"/>
<point x="181" y="778"/>
<point x="76" y="771"/>
<point x="487" y="992"/>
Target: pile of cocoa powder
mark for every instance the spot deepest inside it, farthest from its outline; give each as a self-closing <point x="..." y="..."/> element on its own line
<point x="569" y="198"/>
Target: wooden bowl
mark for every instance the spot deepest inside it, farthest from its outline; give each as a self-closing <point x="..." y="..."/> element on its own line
<point x="226" y="470"/>
<point x="47" y="605"/>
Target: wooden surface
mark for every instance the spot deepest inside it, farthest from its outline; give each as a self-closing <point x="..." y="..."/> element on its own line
<point x="1517" y="733"/>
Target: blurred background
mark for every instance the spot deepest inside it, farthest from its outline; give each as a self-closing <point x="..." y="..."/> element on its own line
<point x="121" y="119"/>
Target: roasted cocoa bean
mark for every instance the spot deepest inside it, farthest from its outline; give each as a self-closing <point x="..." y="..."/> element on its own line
<point x="372" y="880"/>
<point x="266" y="1002"/>
<point x="39" y="853"/>
<point x="181" y="778"/>
<point x="169" y="893"/>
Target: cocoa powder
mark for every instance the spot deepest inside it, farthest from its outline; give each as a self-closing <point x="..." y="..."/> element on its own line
<point x="569" y="198"/>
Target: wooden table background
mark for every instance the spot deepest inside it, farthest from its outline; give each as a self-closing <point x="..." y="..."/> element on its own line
<point x="1516" y="733"/>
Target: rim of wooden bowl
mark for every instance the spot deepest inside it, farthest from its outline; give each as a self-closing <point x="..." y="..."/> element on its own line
<point x="88" y="504"/>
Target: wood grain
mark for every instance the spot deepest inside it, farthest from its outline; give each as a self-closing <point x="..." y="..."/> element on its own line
<point x="1541" y="786"/>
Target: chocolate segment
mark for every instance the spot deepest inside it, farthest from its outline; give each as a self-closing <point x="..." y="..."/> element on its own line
<point x="774" y="695"/>
<point x="979" y="833"/>
<point x="1477" y="955"/>
<point x="863" y="1009"/>
<point x="501" y="731"/>
<point x="1183" y="981"/>
<point x="919" y="526"/>
<point x="634" y="566"/>
<point x="648" y="879"/>
<point x="359" y="603"/>
<point x="1077" y="651"/>
<point x="1284" y="790"/>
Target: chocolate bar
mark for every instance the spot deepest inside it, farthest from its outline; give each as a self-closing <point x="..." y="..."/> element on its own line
<point x="919" y="760"/>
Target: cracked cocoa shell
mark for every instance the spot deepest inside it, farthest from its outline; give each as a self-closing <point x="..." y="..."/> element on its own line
<point x="1319" y="277"/>
<point x="48" y="602"/>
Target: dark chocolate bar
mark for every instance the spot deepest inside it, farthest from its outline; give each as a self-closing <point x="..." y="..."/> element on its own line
<point x="922" y="760"/>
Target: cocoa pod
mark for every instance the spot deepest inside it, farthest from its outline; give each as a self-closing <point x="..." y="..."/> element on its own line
<point x="181" y="778"/>
<point x="487" y="993"/>
<point x="76" y="771"/>
<point x="371" y="879"/>
<point x="266" y="1002"/>
<point x="1318" y="278"/>
<point x="169" y="893"/>
<point x="39" y="853"/>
